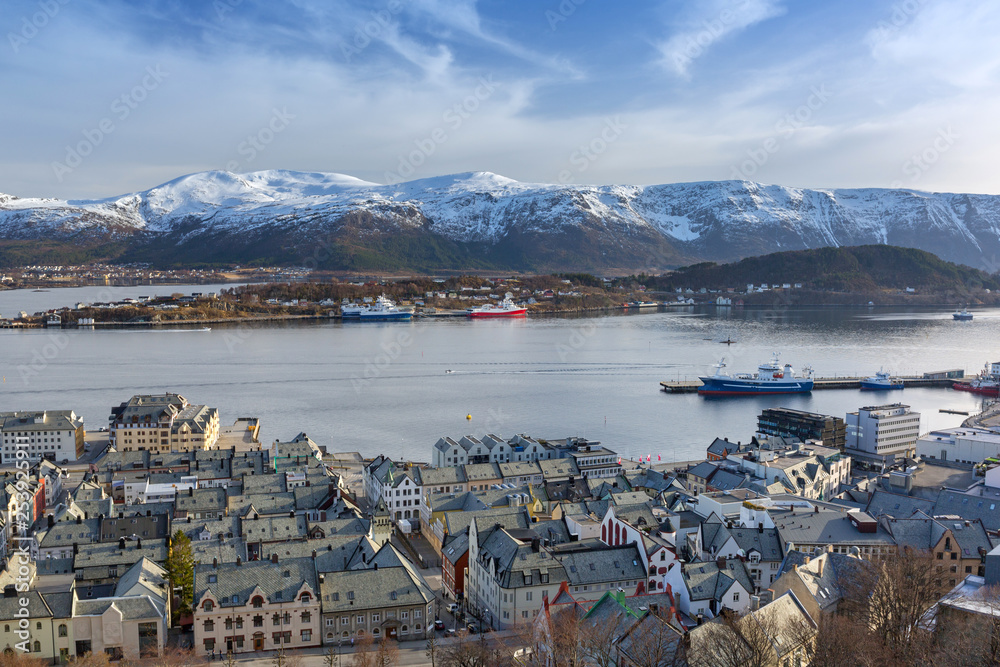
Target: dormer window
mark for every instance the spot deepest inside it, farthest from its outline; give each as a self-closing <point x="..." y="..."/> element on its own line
<point x="305" y="597"/>
<point x="208" y="605"/>
<point x="257" y="602"/>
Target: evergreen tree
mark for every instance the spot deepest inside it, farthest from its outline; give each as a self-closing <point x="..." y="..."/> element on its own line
<point x="180" y="570"/>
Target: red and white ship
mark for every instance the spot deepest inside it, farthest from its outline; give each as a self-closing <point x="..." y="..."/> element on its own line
<point x="506" y="308"/>
<point x="987" y="383"/>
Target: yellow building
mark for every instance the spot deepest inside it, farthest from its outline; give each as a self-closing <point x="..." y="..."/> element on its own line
<point x="163" y="423"/>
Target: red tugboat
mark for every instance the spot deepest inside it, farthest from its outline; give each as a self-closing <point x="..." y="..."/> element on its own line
<point x="986" y="383"/>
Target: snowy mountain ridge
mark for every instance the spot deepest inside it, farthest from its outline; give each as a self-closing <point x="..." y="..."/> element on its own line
<point x="507" y="223"/>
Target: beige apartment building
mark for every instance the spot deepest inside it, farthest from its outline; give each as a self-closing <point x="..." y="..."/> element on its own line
<point x="163" y="423"/>
<point x="256" y="606"/>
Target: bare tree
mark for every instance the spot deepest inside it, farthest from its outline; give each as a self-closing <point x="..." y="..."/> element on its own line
<point x="387" y="653"/>
<point x="463" y="651"/>
<point x="432" y="648"/>
<point x="364" y="652"/>
<point x="889" y="596"/>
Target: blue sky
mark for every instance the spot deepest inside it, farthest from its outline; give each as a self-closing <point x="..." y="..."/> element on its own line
<point x="107" y="97"/>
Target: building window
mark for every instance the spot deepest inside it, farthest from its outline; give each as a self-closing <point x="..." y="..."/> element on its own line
<point x="209" y="625"/>
<point x="258" y="621"/>
<point x="307" y="635"/>
<point x="306" y="617"/>
<point x="258" y="602"/>
<point x="209" y="643"/>
<point x="276" y="619"/>
<point x="62" y="627"/>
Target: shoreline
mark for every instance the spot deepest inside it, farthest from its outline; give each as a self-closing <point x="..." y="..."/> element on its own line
<point x="551" y="312"/>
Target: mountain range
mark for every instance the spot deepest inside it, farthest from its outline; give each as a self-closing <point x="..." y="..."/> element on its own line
<point x="483" y="221"/>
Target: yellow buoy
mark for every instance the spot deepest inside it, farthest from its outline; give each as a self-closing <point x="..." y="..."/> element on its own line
<point x="468" y="416"/>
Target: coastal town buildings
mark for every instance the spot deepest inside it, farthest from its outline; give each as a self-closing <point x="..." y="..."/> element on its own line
<point x="55" y="435"/>
<point x="803" y="426"/>
<point x="881" y="434"/>
<point x="959" y="445"/>
<point x="256" y="606"/>
<point x="162" y="423"/>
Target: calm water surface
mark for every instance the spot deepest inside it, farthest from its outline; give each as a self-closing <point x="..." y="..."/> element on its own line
<point x="384" y="387"/>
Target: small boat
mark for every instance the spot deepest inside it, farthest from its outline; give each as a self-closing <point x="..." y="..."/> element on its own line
<point x="770" y="378"/>
<point x="882" y="381"/>
<point x="449" y="371"/>
<point x="506" y="308"/>
<point x="963" y="316"/>
<point x="728" y="341"/>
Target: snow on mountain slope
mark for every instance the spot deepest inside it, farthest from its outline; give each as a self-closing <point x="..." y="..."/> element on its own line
<point x="708" y="220"/>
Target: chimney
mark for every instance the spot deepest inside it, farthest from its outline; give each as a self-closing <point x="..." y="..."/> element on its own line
<point x="138" y="543"/>
<point x="215" y="562"/>
<point x="535" y="544"/>
<point x="820" y="562"/>
<point x="191" y="492"/>
<point x="239" y="561"/>
<point x="121" y="542"/>
<point x="754" y="602"/>
<point x="760" y="526"/>
<point x="314" y="554"/>
<point x="274" y="558"/>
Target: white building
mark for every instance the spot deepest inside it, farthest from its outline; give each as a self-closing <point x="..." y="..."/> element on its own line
<point x="881" y="433"/>
<point x="395" y="485"/>
<point x="56" y="435"/>
<point x="961" y="445"/>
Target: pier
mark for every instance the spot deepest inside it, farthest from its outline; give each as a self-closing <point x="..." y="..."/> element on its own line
<point x="691" y="386"/>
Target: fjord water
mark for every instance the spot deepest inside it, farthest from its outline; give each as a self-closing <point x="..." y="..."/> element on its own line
<point x="385" y="387"/>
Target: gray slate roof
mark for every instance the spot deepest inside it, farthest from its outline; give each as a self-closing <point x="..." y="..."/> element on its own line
<point x="279" y="582"/>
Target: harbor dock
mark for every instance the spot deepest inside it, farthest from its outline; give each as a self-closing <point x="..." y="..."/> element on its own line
<point x="691" y="386"/>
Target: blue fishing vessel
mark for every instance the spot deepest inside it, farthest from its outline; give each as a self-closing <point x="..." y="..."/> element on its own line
<point x="770" y="378"/>
<point x="882" y="380"/>
<point x="384" y="309"/>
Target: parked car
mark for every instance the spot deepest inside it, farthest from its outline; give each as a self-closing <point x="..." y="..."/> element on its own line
<point x="438" y="624"/>
<point x="452" y="608"/>
<point x="473" y="628"/>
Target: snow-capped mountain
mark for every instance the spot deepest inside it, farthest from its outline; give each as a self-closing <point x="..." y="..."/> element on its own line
<point x="481" y="220"/>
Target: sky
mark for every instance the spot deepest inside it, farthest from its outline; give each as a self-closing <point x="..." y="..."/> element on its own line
<point x="102" y="98"/>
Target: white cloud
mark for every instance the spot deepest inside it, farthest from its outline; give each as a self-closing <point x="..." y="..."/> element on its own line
<point x="709" y="23"/>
